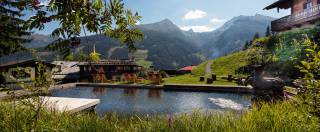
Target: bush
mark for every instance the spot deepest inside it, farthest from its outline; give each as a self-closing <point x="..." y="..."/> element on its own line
<point x="283" y="51"/>
<point x="310" y="66"/>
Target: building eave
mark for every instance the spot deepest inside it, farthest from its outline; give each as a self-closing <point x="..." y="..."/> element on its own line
<point x="280" y="4"/>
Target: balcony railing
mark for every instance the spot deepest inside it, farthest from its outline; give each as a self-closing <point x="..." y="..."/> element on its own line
<point x="288" y="22"/>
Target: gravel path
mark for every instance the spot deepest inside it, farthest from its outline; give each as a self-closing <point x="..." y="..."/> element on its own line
<point x="208" y="68"/>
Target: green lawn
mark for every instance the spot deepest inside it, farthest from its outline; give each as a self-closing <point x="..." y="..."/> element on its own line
<point x="225" y="65"/>
<point x="200" y="70"/>
<point x="192" y="79"/>
<point x="222" y="66"/>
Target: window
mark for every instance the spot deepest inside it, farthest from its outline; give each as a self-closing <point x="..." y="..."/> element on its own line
<point x="308" y="5"/>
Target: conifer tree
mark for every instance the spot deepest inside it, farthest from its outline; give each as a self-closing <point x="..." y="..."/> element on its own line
<point x="12" y="31"/>
<point x="268" y="32"/>
<point x="246" y="45"/>
<point x="256" y="36"/>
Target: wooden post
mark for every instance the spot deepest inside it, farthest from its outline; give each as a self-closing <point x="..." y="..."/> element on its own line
<point x="209" y="80"/>
<point x="202" y="78"/>
<point x="214" y="77"/>
<point x="230" y="78"/>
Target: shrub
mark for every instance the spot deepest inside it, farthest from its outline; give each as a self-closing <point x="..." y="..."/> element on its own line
<point x="310" y="66"/>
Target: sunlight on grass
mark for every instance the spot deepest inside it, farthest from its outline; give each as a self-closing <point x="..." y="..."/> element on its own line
<point x="229" y="64"/>
<point x="192" y="79"/>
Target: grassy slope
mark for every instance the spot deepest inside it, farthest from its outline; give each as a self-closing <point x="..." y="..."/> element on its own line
<point x="200" y="70"/>
<point x="221" y="66"/>
<point x="229" y="64"/>
<point x="225" y="65"/>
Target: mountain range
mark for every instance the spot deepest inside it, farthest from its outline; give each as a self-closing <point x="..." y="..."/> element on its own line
<point x="169" y="47"/>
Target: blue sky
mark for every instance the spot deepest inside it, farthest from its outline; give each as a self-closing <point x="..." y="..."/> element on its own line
<point x="199" y="15"/>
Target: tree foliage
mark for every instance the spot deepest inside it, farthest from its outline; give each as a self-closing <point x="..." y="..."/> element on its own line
<point x="107" y="17"/>
<point x="12" y="27"/>
<point x="94" y="56"/>
<point x="310" y="66"/>
<point x="95" y="16"/>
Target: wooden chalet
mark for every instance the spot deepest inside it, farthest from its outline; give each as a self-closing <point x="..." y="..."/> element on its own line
<point x="107" y="70"/>
<point x="303" y="13"/>
<point x="24" y="70"/>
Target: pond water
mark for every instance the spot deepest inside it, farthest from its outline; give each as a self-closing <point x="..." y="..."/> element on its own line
<point x="154" y="101"/>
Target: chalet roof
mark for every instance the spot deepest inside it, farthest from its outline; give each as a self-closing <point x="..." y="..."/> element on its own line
<point x="187" y="68"/>
<point x="110" y="62"/>
<point x="66" y="64"/>
<point x="25" y="56"/>
<point x="22" y="62"/>
<point x="67" y="67"/>
<point x="281" y="4"/>
<point x="66" y="70"/>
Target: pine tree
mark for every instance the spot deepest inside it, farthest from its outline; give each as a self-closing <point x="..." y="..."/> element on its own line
<point x="246" y="45"/>
<point x="13" y="34"/>
<point x="256" y="36"/>
<point x="268" y="32"/>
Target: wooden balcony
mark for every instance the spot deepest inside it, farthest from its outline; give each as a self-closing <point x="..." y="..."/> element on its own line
<point x="296" y="20"/>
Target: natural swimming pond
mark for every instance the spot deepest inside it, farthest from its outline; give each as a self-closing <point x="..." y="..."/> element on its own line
<point x="154" y="101"/>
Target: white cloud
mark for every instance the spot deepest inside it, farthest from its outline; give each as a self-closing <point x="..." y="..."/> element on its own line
<point x="197" y="28"/>
<point x="217" y="20"/>
<point x="195" y="14"/>
<point x="138" y="23"/>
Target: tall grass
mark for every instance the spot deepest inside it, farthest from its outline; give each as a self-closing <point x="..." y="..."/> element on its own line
<point x="285" y="116"/>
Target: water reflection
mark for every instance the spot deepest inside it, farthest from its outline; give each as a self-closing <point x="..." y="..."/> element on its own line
<point x="130" y="92"/>
<point x="133" y="101"/>
<point x="154" y="94"/>
<point x="97" y="91"/>
<point x="248" y="97"/>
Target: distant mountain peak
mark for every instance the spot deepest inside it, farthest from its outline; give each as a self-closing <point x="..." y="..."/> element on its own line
<point x="190" y="30"/>
<point x="165" y="25"/>
<point x="264" y="17"/>
<point x="166" y="21"/>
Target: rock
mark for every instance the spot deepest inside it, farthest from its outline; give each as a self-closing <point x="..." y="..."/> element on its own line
<point x="266" y="89"/>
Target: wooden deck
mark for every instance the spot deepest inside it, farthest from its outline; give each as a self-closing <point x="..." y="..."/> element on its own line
<point x="71" y="105"/>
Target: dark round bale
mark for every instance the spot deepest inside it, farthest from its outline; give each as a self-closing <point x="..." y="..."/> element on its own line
<point x="209" y="80"/>
<point x="202" y="78"/>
